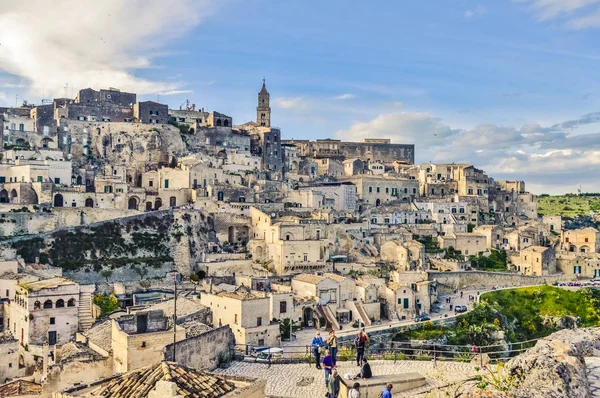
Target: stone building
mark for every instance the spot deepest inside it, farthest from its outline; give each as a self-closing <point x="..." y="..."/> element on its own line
<point x="405" y="256"/>
<point x="139" y="339"/>
<point x="377" y="190"/>
<point x="341" y="194"/>
<point x="408" y="299"/>
<point x="247" y="313"/>
<point x="469" y="244"/>
<point x="585" y="240"/>
<point x="537" y="261"/>
<point x="9" y="351"/>
<point x="151" y="112"/>
<point x="112" y="95"/>
<point x="50" y="311"/>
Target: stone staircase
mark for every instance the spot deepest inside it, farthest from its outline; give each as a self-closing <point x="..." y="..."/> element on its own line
<point x="86" y="320"/>
<point x="363" y="314"/>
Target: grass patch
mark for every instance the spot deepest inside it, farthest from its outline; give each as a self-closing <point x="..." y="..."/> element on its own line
<point x="568" y="205"/>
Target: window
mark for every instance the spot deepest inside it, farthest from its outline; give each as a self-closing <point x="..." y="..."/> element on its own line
<point x="166" y="183"/>
<point x="21" y="127"/>
<point x="370" y="189"/>
<point x="52" y="321"/>
<point x="60" y="303"/>
<point x="150" y="183"/>
<point x="235" y="319"/>
<point x="586" y="240"/>
<point x="387" y="220"/>
<point x="40" y="179"/>
<point x="377" y="189"/>
<point x="259" y="321"/>
<point x="305" y="257"/>
<point x="283" y="307"/>
<point x="71" y="303"/>
<point x="470" y="191"/>
<point x="47" y="304"/>
<point x="387" y="190"/>
<point x="57" y="180"/>
<point x="461" y="210"/>
<point x="7" y="293"/>
<point x="567" y="240"/>
<point x="405" y="303"/>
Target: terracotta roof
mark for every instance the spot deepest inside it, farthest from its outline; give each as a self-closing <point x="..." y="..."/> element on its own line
<point x="190" y="383"/>
<point x="20" y="387"/>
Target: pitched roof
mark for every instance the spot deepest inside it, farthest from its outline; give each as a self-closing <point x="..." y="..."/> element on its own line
<point x="190" y="383"/>
<point x="20" y="387"/>
<point x="309" y="278"/>
<point x="184" y="307"/>
<point x="101" y="335"/>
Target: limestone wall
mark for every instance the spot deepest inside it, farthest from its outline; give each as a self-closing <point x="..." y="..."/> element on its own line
<point x="205" y="351"/>
<point x="485" y="280"/>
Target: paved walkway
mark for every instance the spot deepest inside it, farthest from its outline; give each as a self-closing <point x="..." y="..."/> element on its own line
<point x="304" y="381"/>
<point x="593" y="368"/>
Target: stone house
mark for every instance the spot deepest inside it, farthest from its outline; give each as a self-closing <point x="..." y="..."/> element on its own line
<point x="408" y="299"/>
<point x="583" y="240"/>
<point x="151" y="112"/>
<point x="537" y="261"/>
<point x="139" y="339"/>
<point x="377" y="190"/>
<point x="247" y="313"/>
<point x="353" y="167"/>
<point x="469" y="244"/>
<point x="9" y="365"/>
<point x="406" y="256"/>
<point x="342" y="194"/>
<point x="577" y="264"/>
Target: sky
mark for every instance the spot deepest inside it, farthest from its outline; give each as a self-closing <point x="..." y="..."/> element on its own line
<point x="511" y="86"/>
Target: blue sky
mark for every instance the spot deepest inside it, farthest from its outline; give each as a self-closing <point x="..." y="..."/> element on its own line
<point x="487" y="82"/>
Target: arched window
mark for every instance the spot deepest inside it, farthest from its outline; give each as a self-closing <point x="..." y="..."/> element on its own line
<point x="47" y="304"/>
<point x="71" y="303"/>
<point x="218" y="122"/>
<point x="37" y="305"/>
<point x="172" y="201"/>
<point x="60" y="303"/>
<point x="226" y="123"/>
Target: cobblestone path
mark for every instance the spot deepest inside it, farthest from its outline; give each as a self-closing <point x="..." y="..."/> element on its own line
<point x="304" y="381"/>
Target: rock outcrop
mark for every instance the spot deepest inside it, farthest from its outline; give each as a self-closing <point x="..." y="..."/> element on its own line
<point x="553" y="368"/>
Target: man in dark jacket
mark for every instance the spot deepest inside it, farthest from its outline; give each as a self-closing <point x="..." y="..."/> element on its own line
<point x="333" y="387"/>
<point x="365" y="370"/>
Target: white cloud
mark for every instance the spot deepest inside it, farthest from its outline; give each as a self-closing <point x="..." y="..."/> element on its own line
<point x="475" y="12"/>
<point x="91" y="43"/>
<point x="176" y="92"/>
<point x="552" y="158"/>
<point x="290" y="103"/>
<point x="578" y="14"/>
<point x="344" y="96"/>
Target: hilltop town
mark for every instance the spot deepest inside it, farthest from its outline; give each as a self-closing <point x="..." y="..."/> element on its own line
<point x="142" y="242"/>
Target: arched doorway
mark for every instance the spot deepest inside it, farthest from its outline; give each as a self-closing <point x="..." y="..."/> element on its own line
<point x="377" y="202"/>
<point x="172" y="201"/>
<point x="157" y="204"/>
<point x="220" y="196"/>
<point x="58" y="200"/>
<point x="4" y="196"/>
<point x="14" y="197"/>
<point x="78" y="180"/>
<point x="89" y="202"/>
<point x="132" y="204"/>
<point x="148" y="206"/>
<point x="308" y="317"/>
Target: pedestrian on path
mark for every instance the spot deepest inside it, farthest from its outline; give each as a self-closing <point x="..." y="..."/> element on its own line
<point x="360" y="342"/>
<point x="332" y="342"/>
<point x="355" y="391"/>
<point x="333" y="387"/>
<point x="387" y="391"/>
<point x="327" y="364"/>
<point x="317" y="343"/>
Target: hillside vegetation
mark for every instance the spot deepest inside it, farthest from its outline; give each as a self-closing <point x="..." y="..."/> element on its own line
<point x="568" y="205"/>
<point x="521" y="314"/>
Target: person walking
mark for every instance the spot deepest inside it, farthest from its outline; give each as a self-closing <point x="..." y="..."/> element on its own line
<point x="317" y="343"/>
<point x="327" y="364"/>
<point x="360" y="342"/>
<point x="333" y="387"/>
<point x="387" y="391"/>
<point x="332" y="342"/>
<point x="354" y="391"/>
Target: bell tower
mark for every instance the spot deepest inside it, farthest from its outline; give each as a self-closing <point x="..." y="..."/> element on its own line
<point x="263" y="110"/>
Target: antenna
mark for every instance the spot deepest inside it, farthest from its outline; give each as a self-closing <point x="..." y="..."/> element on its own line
<point x="66" y="90"/>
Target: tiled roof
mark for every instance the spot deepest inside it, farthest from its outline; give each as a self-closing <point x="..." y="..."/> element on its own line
<point x="73" y="352"/>
<point x="336" y="277"/>
<point x="101" y="335"/>
<point x="190" y="383"/>
<point x="20" y="387"/>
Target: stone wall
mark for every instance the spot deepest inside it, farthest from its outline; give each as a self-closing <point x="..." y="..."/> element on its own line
<point x="484" y="280"/>
<point x="205" y="351"/>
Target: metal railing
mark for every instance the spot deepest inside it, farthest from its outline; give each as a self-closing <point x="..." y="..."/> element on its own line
<point x="391" y="351"/>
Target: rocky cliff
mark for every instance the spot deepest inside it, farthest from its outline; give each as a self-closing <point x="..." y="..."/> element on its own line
<point x="554" y="368"/>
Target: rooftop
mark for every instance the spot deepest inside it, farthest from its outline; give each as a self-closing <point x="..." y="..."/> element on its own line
<point x="20" y="387"/>
<point x="190" y="383"/>
<point x="101" y="335"/>
<point x="184" y="307"/>
<point x="51" y="283"/>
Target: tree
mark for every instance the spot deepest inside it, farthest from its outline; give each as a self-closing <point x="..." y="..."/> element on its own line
<point x="106" y="303"/>
<point x="106" y="273"/>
